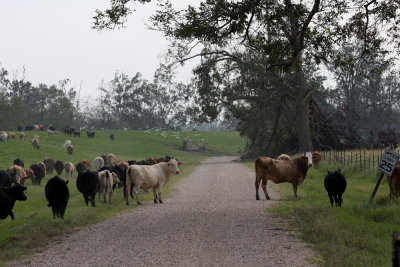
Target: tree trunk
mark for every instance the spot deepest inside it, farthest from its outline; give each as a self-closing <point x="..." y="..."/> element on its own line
<point x="302" y="112"/>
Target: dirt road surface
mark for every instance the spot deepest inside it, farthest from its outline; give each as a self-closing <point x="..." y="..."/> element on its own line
<point x="211" y="219"/>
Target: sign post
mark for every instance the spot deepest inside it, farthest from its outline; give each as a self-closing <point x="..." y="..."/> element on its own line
<point x="385" y="166"/>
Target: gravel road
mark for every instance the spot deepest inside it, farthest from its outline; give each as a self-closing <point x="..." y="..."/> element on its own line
<point x="211" y="219"/>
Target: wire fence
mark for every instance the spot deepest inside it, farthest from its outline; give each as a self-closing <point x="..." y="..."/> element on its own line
<point x="358" y="160"/>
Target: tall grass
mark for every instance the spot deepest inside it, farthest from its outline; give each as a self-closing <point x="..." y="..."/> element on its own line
<point x="34" y="224"/>
<point x="359" y="233"/>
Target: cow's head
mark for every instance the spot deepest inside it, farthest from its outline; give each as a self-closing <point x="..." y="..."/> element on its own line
<point x="173" y="165"/>
<point x="309" y="157"/>
<point x="18" y="192"/>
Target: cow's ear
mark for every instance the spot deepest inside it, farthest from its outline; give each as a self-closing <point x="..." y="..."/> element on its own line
<point x="338" y="170"/>
<point x="67" y="182"/>
<point x="180" y="163"/>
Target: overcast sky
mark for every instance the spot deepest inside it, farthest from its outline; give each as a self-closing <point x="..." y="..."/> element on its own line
<point x="53" y="40"/>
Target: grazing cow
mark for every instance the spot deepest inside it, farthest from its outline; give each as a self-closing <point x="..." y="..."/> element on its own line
<point x="87" y="163"/>
<point x="3" y="136"/>
<point x="19" y="162"/>
<point x="145" y="177"/>
<point x="11" y="135"/>
<point x="283" y="157"/>
<point x="59" y="166"/>
<point x="17" y="174"/>
<point x="77" y="134"/>
<point x="90" y="134"/>
<point x="110" y="160"/>
<point x="21" y="136"/>
<point x="69" y="169"/>
<point x="8" y="196"/>
<point x="36" y="127"/>
<point x="39" y="172"/>
<point x="35" y="143"/>
<point x="70" y="149"/>
<point x="293" y="171"/>
<point x="5" y="179"/>
<point x="49" y="163"/>
<point x="88" y="184"/>
<point x="50" y="132"/>
<point x="335" y="184"/>
<point x="67" y="143"/>
<point x="29" y="175"/>
<point x="98" y="163"/>
<point x="112" y="137"/>
<point x="36" y="136"/>
<point x="29" y="128"/>
<point x="316" y="156"/>
<point x="57" y="194"/>
<point x="394" y="182"/>
<point x="107" y="180"/>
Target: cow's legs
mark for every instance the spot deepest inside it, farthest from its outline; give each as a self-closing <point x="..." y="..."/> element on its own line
<point x="257" y="186"/>
<point x="159" y="193"/>
<point x="86" y="199"/>
<point x="295" y="190"/>
<point x="12" y="215"/>
<point x="330" y="198"/>
<point x="104" y="196"/>
<point x="264" y="187"/>
<point x="137" y="196"/>
<point x="53" y="208"/>
<point x="155" y="195"/>
<point x="335" y="196"/>
<point x="92" y="200"/>
<point x="127" y="189"/>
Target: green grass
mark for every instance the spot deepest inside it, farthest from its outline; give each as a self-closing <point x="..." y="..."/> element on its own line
<point x="34" y="225"/>
<point x="358" y="234"/>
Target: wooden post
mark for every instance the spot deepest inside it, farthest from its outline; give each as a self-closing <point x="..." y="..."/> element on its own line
<point x="376" y="187"/>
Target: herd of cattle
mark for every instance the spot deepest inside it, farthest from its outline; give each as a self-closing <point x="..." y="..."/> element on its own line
<point x="130" y="175"/>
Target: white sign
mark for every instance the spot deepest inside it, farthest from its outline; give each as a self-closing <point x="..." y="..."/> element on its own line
<point x="388" y="161"/>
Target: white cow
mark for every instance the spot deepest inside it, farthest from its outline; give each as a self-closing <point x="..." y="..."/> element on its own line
<point x="69" y="169"/>
<point x="107" y="180"/>
<point x="150" y="176"/>
<point x="98" y="163"/>
<point x="67" y="143"/>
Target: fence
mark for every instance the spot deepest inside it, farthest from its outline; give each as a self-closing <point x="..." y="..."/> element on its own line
<point x="359" y="160"/>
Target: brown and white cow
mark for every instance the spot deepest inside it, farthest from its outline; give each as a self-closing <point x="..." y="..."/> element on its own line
<point x="107" y="179"/>
<point x="150" y="176"/>
<point x="293" y="171"/>
<point x="316" y="156"/>
<point x="22" y="136"/>
<point x="17" y="174"/>
<point x="69" y="169"/>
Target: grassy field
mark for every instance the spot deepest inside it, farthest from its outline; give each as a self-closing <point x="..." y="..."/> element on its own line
<point x="34" y="225"/>
<point x="358" y="234"/>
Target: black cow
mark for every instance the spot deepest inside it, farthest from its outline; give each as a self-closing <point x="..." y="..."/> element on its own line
<point x="90" y="134"/>
<point x="335" y="185"/>
<point x="5" y="179"/>
<point x="80" y="167"/>
<point x="77" y="134"/>
<point x="59" y="166"/>
<point x="52" y="128"/>
<point x="57" y="194"/>
<point x="38" y="171"/>
<point x="88" y="184"/>
<point x="8" y="196"/>
<point x="19" y="128"/>
<point x="29" y="128"/>
<point x="19" y="162"/>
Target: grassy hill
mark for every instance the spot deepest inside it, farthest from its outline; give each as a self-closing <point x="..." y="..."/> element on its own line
<point x="34" y="225"/>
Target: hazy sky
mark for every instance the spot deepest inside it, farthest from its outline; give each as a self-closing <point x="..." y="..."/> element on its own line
<point x="53" y="40"/>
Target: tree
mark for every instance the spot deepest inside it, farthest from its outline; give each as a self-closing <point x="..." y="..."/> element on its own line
<point x="288" y="34"/>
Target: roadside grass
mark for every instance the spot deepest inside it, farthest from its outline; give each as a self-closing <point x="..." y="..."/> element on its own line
<point x="34" y="225"/>
<point x="358" y="234"/>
